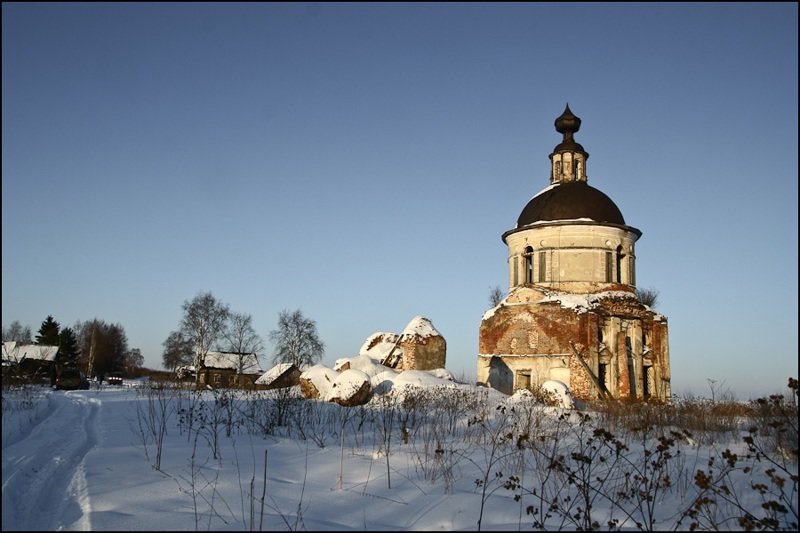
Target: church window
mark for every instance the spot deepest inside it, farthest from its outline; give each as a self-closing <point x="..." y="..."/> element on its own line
<point x="524" y="379"/>
<point x="515" y="261"/>
<point x="542" y="267"/>
<point x="528" y="264"/>
<point x="558" y="169"/>
<point x="647" y="382"/>
<point x="620" y="255"/>
<point x="602" y="374"/>
<point x="609" y="267"/>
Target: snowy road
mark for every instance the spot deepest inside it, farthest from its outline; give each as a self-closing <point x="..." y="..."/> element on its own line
<point x="44" y="472"/>
<point x="76" y="465"/>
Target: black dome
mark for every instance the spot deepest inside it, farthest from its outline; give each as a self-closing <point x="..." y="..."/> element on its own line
<point x="569" y="201"/>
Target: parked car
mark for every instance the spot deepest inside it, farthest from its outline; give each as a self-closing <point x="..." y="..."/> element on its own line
<point x="71" y="379"/>
<point x="114" y="378"/>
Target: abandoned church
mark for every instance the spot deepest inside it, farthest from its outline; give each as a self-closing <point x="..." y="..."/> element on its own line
<point x="572" y="313"/>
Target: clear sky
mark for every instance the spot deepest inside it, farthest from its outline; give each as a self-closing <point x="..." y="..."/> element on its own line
<point x="360" y="162"/>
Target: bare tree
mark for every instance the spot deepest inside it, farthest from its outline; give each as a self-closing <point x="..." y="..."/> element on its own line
<point x="241" y="338"/>
<point x="495" y="295"/>
<point x="134" y="361"/>
<point x="18" y="333"/>
<point x="648" y="297"/>
<point x="178" y="351"/>
<point x="296" y="340"/>
<point x="102" y="346"/>
<point x="204" y="320"/>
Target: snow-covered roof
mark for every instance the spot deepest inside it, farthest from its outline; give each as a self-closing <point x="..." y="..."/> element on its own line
<point x="231" y="361"/>
<point x="16" y="353"/>
<point x="273" y="373"/>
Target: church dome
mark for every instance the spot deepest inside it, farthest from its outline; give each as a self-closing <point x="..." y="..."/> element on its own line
<point x="570" y="201"/>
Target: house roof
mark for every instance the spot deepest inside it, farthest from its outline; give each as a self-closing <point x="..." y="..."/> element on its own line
<point x="17" y="352"/>
<point x="231" y="361"/>
<point x="274" y="373"/>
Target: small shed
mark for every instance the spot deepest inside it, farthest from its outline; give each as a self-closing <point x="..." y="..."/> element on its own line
<point x="280" y="376"/>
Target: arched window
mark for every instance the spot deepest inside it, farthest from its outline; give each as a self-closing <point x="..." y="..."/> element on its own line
<point x="528" y="255"/>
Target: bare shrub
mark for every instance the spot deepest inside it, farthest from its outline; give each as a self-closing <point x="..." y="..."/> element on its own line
<point x="152" y="418"/>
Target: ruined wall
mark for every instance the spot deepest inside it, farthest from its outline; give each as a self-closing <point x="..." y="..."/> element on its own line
<point x="526" y="343"/>
<point x="425" y="353"/>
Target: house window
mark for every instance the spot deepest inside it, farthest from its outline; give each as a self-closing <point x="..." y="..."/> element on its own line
<point x="542" y="266"/>
<point x="528" y="254"/>
<point x="202" y="377"/>
<point x="217" y="379"/>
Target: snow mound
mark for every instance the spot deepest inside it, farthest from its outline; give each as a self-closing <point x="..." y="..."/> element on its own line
<point x="560" y="392"/>
<point x="364" y="363"/>
<point x="351" y="387"/>
<point x="321" y="377"/>
<point x="419" y="328"/>
<point x="379" y="345"/>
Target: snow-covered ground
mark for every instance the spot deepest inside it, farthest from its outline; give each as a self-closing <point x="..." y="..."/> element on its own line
<point x="459" y="458"/>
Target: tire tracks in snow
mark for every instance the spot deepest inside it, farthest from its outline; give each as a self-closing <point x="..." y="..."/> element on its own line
<point x="46" y="488"/>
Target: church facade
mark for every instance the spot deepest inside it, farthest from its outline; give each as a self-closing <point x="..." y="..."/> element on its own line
<point x="572" y="313"/>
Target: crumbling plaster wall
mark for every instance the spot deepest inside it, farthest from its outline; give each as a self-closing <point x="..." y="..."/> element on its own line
<point x="537" y="339"/>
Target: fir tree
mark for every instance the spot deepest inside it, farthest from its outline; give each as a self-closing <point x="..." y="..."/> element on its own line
<point x="49" y="332"/>
<point x="68" y="348"/>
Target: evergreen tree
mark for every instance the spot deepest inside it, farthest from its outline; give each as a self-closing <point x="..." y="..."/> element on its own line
<point x="49" y="332"/>
<point x="68" y="351"/>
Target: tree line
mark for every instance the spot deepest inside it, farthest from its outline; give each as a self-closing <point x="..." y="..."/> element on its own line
<point x="95" y="346"/>
<point x="209" y="325"/>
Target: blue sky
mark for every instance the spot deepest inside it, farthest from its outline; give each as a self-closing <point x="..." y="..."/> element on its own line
<point x="360" y="161"/>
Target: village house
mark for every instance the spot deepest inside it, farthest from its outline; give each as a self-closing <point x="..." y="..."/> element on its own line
<point x="31" y="361"/>
<point x="230" y="370"/>
<point x="572" y="313"/>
